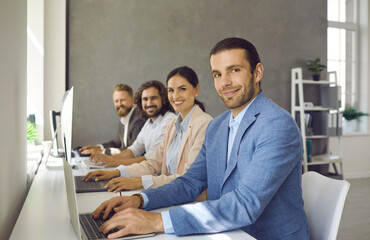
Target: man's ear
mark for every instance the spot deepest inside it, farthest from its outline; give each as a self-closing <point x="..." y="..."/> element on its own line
<point x="258" y="73"/>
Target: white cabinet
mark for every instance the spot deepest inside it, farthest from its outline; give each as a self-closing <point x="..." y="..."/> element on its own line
<point x="319" y="121"/>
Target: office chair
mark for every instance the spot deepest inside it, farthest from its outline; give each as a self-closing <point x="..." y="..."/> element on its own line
<point x="324" y="199"/>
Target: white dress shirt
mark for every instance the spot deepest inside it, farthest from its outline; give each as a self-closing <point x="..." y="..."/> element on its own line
<point x="151" y="135"/>
<point x="125" y="121"/>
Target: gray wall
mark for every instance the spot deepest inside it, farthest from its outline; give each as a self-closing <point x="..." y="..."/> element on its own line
<point x="13" y="102"/>
<point x="135" y="41"/>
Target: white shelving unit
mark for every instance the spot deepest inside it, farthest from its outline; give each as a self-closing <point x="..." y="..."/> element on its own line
<point x="297" y="93"/>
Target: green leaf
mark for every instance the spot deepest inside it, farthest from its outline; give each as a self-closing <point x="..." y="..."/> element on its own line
<point x="351" y="113"/>
<point x="31" y="131"/>
<point x="315" y="66"/>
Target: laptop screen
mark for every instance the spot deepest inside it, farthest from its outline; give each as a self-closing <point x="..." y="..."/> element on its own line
<point x="71" y="197"/>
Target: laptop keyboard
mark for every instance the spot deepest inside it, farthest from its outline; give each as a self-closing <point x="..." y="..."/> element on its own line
<point x="92" y="165"/>
<point x="91" y="226"/>
<point x="80" y="153"/>
<point x="88" y="185"/>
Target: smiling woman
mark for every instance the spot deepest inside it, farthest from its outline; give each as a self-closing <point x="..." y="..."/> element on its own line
<point x="183" y="88"/>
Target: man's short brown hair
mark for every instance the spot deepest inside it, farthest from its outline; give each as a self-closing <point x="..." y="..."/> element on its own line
<point x="124" y="87"/>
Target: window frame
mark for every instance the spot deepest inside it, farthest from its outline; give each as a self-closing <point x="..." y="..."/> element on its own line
<point x="358" y="80"/>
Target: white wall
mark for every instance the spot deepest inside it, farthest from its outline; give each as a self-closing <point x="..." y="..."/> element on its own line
<point x="356" y="154"/>
<point x="356" y="158"/>
<point x="13" y="43"/>
<point x="54" y="59"/>
<point x="35" y="63"/>
<point x="13" y="91"/>
<point x="46" y="60"/>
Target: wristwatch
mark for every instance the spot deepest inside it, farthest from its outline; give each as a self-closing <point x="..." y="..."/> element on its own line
<point x="141" y="200"/>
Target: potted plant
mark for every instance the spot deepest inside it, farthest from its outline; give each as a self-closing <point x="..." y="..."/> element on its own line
<point x="31" y="132"/>
<point x="316" y="68"/>
<point x="350" y="114"/>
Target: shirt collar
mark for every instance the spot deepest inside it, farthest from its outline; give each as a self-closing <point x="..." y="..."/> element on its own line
<point x="125" y="120"/>
<point x="236" y="121"/>
<point x="183" y="125"/>
<point x="159" y="119"/>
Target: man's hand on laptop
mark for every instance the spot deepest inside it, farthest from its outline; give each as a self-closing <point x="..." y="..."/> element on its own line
<point x="109" y="160"/>
<point x="116" y="204"/>
<point x="123" y="183"/>
<point x="101" y="175"/>
<point x="133" y="221"/>
<point x="90" y="149"/>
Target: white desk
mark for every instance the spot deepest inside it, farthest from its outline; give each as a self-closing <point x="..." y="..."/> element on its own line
<point x="45" y="212"/>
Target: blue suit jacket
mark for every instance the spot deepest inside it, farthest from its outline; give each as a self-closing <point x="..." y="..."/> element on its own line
<point x="258" y="190"/>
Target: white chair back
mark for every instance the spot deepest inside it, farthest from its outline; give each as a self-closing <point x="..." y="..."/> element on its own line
<point x="324" y="199"/>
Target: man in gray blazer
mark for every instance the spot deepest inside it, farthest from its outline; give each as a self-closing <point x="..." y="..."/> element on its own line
<point x="250" y="161"/>
<point x="129" y="125"/>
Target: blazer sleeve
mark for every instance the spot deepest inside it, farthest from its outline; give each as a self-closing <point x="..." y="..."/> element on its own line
<point x="192" y="148"/>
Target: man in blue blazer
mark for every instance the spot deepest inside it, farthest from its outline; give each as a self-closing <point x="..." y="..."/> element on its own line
<point x="250" y="162"/>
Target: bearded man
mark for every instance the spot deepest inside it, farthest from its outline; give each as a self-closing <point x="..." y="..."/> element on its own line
<point x="129" y="126"/>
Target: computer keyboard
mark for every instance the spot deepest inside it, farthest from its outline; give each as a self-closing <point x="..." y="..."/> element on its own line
<point x="92" y="184"/>
<point x="91" y="226"/>
<point x="86" y="163"/>
<point x="80" y="153"/>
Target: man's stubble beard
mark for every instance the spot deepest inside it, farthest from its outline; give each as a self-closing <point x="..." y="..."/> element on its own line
<point x="235" y="103"/>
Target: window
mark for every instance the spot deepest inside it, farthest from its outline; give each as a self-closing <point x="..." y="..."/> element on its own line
<point x="35" y="81"/>
<point x="344" y="49"/>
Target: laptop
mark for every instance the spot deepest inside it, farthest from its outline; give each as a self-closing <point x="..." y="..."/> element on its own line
<point x="80" y="153"/>
<point x="85" y="226"/>
<point x="85" y="162"/>
<point x="88" y="164"/>
<point x="90" y="186"/>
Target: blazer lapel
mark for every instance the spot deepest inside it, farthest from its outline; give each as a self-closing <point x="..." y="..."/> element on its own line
<point x="130" y="123"/>
<point x="221" y="156"/>
<point x="187" y="133"/>
<point x="122" y="134"/>
<point x="248" y="119"/>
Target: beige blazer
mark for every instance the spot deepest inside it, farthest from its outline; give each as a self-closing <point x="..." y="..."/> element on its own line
<point x="189" y="148"/>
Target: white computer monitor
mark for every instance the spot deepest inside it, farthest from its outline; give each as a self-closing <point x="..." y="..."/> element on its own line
<point x="54" y="128"/>
<point x="66" y="123"/>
